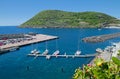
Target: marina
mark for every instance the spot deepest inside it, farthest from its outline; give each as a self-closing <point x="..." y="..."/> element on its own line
<point x="75" y="39"/>
<point x="36" y="53"/>
<point x="56" y="54"/>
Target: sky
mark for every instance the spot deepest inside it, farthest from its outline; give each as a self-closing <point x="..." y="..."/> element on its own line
<point x="16" y="12"/>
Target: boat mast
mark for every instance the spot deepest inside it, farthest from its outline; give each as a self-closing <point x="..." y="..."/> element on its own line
<point x="56" y="39"/>
<point x="78" y="40"/>
<point x="78" y="45"/>
<point x="32" y="46"/>
<point x="56" y="44"/>
<point x="46" y="44"/>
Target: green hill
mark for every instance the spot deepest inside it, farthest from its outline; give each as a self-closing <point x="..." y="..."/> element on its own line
<point x="57" y="18"/>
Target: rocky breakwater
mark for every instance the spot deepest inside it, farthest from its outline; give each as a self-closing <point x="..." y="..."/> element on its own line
<point x="101" y="38"/>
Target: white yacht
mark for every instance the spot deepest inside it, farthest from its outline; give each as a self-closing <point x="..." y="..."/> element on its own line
<point x="78" y="52"/>
<point x="37" y="52"/>
<point x="56" y="52"/>
<point x="45" y="52"/>
<point x="99" y="50"/>
<point x="33" y="51"/>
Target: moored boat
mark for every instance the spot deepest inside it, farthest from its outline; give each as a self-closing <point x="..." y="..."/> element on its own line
<point x="56" y="52"/>
<point x="98" y="50"/>
<point x="45" y="52"/>
<point x="78" y="52"/>
<point x="33" y="51"/>
<point x="13" y="48"/>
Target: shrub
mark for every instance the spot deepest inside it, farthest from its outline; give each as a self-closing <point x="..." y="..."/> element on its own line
<point x="99" y="70"/>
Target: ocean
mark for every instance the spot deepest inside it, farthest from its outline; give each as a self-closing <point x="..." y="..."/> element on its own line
<point x="14" y="65"/>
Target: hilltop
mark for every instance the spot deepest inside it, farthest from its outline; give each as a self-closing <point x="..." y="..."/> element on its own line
<point x="64" y="19"/>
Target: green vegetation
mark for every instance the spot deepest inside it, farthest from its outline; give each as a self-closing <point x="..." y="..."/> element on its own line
<point x="57" y="18"/>
<point x="118" y="52"/>
<point x="100" y="70"/>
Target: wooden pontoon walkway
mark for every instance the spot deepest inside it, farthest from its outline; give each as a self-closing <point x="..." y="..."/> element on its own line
<point x="66" y="56"/>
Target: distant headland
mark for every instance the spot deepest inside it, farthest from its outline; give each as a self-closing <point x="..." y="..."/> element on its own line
<point x="64" y="19"/>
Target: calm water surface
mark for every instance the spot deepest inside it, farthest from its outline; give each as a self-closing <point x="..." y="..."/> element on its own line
<point x="13" y="65"/>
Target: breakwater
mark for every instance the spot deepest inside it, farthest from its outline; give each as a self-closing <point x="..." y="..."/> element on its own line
<point x="101" y="38"/>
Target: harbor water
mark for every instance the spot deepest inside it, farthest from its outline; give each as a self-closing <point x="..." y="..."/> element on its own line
<point x="17" y="65"/>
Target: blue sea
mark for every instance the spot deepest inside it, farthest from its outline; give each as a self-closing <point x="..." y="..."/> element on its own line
<point x="13" y="65"/>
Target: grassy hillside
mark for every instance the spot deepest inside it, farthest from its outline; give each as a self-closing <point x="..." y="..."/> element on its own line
<point x="57" y="18"/>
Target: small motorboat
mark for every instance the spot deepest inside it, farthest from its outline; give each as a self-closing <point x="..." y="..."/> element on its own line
<point x="13" y="48"/>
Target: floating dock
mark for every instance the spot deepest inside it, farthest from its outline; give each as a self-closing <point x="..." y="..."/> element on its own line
<point x="101" y="38"/>
<point x="65" y="56"/>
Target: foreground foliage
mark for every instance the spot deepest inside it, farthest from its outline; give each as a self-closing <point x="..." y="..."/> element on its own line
<point x="118" y="52"/>
<point x="100" y="70"/>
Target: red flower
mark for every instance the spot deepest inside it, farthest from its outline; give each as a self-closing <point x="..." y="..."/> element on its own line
<point x="89" y="65"/>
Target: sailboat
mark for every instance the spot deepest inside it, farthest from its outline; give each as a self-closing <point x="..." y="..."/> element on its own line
<point x="46" y="50"/>
<point x="57" y="51"/>
<point x="78" y="52"/>
<point x="35" y="51"/>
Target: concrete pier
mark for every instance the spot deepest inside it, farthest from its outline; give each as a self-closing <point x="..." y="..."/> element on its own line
<point x="35" y="39"/>
<point x="108" y="52"/>
<point x="105" y="56"/>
